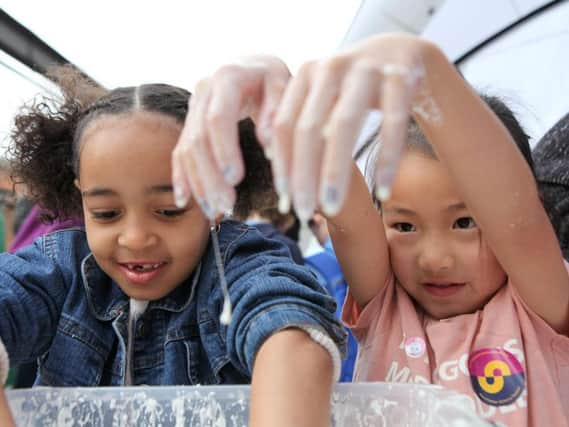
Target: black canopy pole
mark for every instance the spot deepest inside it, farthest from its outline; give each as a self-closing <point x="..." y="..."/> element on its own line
<point x="23" y="45"/>
<point x="505" y="30"/>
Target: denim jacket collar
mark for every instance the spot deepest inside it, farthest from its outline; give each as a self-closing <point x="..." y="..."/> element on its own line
<point x="107" y="300"/>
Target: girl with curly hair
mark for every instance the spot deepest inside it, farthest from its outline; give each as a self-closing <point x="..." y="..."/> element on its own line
<point x="135" y="296"/>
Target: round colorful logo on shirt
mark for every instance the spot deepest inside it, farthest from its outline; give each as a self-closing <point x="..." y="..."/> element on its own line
<point x="496" y="375"/>
<point x="415" y="347"/>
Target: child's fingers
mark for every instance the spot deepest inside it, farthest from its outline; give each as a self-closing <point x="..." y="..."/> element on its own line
<point x="217" y="194"/>
<point x="357" y="97"/>
<point x="185" y="177"/>
<point x="184" y="150"/>
<point x="180" y="181"/>
<point x="283" y="134"/>
<point x="396" y="95"/>
<point x="223" y="133"/>
<point x="193" y="160"/>
<point x="273" y="91"/>
<point x="196" y="188"/>
<point x="229" y="94"/>
<point x="250" y="87"/>
<point x="309" y="139"/>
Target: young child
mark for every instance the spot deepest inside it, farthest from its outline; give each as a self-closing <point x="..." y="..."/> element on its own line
<point x="448" y="313"/>
<point x="460" y="281"/>
<point x="470" y="291"/>
<point x="135" y="298"/>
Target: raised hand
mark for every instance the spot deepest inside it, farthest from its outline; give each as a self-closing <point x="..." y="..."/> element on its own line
<point x="307" y="124"/>
<point x="207" y="162"/>
<point x="321" y="114"/>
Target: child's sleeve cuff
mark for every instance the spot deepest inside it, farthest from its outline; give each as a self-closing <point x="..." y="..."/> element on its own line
<point x="325" y="341"/>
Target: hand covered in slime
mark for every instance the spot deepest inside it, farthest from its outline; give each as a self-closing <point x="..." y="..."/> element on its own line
<point x="308" y="124"/>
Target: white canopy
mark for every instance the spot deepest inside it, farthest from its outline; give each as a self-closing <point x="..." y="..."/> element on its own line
<point x="131" y="42"/>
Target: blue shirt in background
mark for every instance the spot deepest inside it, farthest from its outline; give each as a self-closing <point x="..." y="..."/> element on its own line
<point x="332" y="278"/>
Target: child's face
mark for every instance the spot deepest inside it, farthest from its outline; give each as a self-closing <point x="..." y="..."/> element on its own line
<point x="437" y="252"/>
<point x="135" y="231"/>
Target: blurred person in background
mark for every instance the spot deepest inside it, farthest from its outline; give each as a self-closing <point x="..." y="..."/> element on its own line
<point x="551" y="158"/>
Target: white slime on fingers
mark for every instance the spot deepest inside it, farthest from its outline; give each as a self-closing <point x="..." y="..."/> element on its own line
<point x="410" y="75"/>
<point x="427" y="109"/>
<point x="422" y="105"/>
<point x="396" y="120"/>
<point x="281" y="187"/>
<point x="284" y="203"/>
<point x="425" y="106"/>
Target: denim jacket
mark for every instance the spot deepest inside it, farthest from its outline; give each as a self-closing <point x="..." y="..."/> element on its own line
<point x="59" y="307"/>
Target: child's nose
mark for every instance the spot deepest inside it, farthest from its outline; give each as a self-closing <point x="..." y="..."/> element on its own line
<point x="136" y="236"/>
<point x="435" y="257"/>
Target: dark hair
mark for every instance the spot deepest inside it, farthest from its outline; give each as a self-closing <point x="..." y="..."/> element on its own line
<point x="46" y="136"/>
<point x="416" y="140"/>
<point x="258" y="182"/>
<point x="257" y="192"/>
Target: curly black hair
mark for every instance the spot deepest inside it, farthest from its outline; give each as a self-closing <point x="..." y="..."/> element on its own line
<point x="46" y="137"/>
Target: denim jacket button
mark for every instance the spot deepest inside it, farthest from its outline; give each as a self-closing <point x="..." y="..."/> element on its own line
<point x="144" y="329"/>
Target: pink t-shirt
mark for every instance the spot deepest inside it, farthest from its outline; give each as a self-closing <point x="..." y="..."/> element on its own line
<point x="484" y="355"/>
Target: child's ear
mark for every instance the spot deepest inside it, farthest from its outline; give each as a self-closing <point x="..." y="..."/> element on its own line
<point x="77" y="185"/>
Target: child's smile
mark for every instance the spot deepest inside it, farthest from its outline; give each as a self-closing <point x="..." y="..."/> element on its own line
<point x="136" y="233"/>
<point x="443" y="289"/>
<point x="141" y="272"/>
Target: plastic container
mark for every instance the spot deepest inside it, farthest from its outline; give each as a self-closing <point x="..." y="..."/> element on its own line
<point x="354" y="405"/>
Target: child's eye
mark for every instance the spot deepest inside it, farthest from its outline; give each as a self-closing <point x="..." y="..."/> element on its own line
<point x="171" y="213"/>
<point x="464" y="223"/>
<point x="404" y="227"/>
<point x="105" y="215"/>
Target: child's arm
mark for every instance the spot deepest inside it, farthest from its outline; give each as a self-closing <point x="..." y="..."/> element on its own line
<point x="498" y="188"/>
<point x="5" y="415"/>
<point x="291" y="388"/>
<point x="6" y="419"/>
<point x="283" y="331"/>
<point x="359" y="241"/>
<point x="33" y="288"/>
